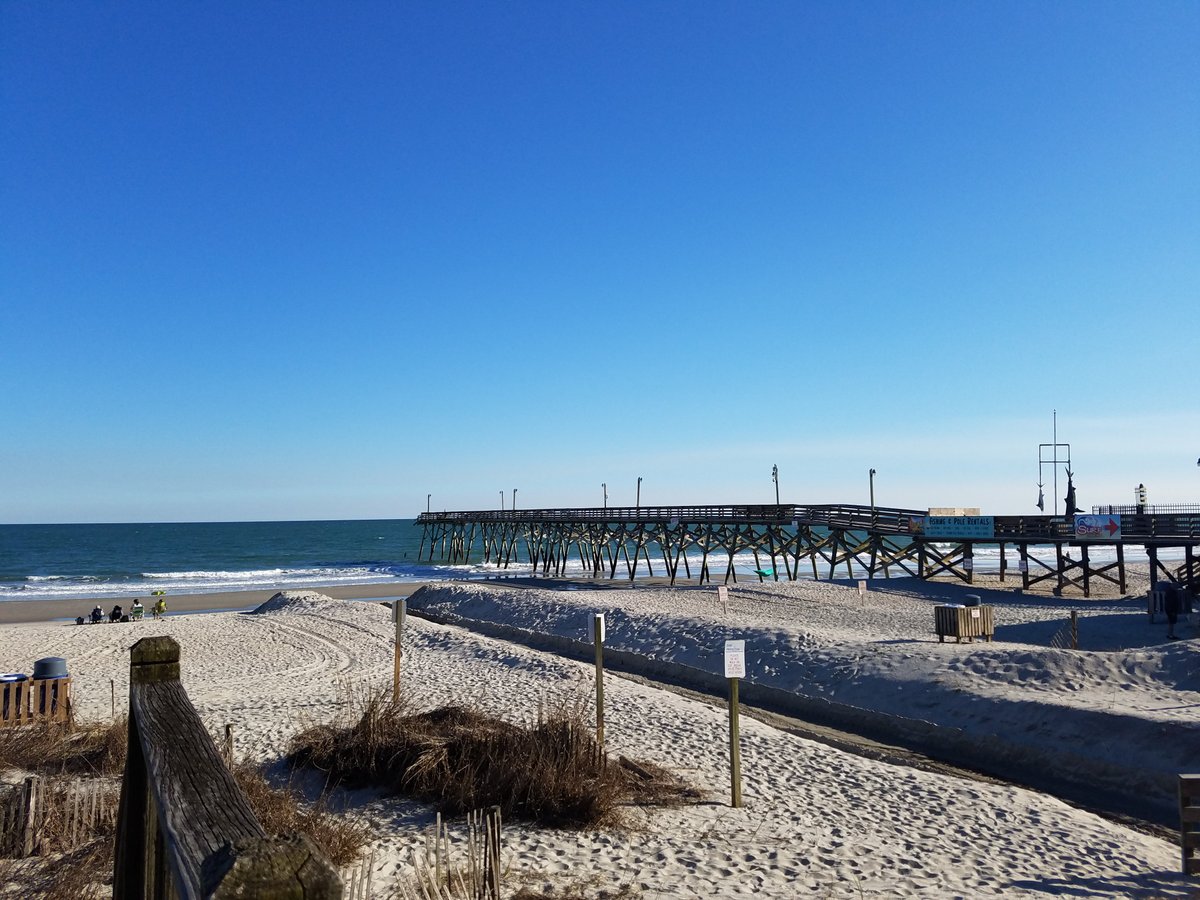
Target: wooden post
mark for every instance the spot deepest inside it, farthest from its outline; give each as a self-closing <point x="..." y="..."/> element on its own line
<point x="735" y="747"/>
<point x="30" y="796"/>
<point x="229" y="745"/>
<point x="1189" y="822"/>
<point x="598" y="641"/>
<point x="735" y="668"/>
<point x="186" y="829"/>
<point x="399" y="611"/>
<point x="492" y="859"/>
<point x="1074" y="630"/>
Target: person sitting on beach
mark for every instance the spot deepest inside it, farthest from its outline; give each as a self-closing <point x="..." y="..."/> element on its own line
<point x="97" y="616"/>
<point x="115" y="615"/>
<point x="137" y="610"/>
<point x="160" y="608"/>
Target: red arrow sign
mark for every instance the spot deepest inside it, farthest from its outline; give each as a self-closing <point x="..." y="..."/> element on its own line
<point x="1112" y="527"/>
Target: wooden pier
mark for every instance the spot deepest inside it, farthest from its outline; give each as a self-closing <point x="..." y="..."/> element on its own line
<point x="790" y="541"/>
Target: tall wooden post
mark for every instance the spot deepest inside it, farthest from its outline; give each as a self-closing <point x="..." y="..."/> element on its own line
<point x="735" y="748"/>
<point x="735" y="668"/>
<point x="1074" y="630"/>
<point x="598" y="641"/>
<point x="399" y="611"/>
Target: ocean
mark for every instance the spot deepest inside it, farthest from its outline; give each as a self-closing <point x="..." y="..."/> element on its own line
<point x="42" y="562"/>
<point x="46" y="562"/>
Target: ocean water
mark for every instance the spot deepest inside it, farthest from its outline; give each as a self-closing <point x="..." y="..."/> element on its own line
<point x="39" y="562"/>
<point x="76" y="561"/>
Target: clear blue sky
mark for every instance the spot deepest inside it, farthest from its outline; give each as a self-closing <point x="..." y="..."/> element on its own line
<point x="313" y="260"/>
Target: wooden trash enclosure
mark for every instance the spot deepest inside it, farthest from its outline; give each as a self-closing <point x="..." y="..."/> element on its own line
<point x="1189" y="823"/>
<point x="961" y="622"/>
<point x="185" y="830"/>
<point x="35" y="700"/>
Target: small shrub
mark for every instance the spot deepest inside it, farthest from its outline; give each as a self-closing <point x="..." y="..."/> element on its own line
<point x="460" y="759"/>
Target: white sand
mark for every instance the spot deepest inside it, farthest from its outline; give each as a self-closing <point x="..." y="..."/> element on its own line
<point x="817" y="821"/>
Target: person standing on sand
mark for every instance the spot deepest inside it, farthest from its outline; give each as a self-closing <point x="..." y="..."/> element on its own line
<point x="1172" y="603"/>
<point x="160" y="608"/>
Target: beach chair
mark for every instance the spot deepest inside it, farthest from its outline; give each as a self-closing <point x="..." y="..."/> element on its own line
<point x="137" y="613"/>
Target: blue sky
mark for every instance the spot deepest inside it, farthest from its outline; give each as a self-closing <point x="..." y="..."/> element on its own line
<point x="318" y="260"/>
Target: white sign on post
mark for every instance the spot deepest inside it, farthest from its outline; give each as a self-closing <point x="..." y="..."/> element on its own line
<point x="593" y="620"/>
<point x="862" y="589"/>
<point x="735" y="659"/>
<point x="723" y="596"/>
<point x="399" y="611"/>
<point x="1023" y="565"/>
<point x="969" y="564"/>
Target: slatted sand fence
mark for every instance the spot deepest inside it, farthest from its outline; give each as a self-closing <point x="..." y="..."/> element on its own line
<point x="185" y="829"/>
<point x="1067" y="636"/>
<point x="51" y="815"/>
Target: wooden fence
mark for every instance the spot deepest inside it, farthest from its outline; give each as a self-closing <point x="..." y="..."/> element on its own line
<point x="41" y="815"/>
<point x="35" y="700"/>
<point x="185" y="830"/>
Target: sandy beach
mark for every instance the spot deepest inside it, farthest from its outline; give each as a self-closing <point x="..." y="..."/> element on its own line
<point x="817" y="821"/>
<point x="14" y="611"/>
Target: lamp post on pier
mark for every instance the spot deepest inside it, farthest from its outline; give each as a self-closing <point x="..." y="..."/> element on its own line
<point x="502" y="501"/>
<point x="514" y="506"/>
<point x="604" y="487"/>
<point x="428" y="497"/>
<point x="775" y="478"/>
<point x="871" y="475"/>
<point x="638" y="501"/>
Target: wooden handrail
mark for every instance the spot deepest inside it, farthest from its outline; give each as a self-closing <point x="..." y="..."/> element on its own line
<point x="185" y="829"/>
<point x="1158" y="528"/>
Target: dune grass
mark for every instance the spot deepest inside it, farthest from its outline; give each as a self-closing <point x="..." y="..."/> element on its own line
<point x="461" y="759"/>
<point x="50" y="748"/>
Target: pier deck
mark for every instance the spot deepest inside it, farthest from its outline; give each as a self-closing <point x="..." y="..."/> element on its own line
<point x="788" y="541"/>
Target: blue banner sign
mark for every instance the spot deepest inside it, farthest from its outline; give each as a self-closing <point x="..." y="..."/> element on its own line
<point x="960" y="526"/>
<point x="1097" y="528"/>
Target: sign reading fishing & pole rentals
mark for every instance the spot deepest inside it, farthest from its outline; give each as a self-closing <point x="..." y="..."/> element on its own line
<point x="959" y="526"/>
<point x="1097" y="528"/>
<point x="735" y="659"/>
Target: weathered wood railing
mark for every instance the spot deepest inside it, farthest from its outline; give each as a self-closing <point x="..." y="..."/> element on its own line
<point x="185" y="829"/>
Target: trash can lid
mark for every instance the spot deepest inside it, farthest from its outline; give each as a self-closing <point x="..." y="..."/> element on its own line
<point x="14" y="676"/>
<point x="50" y="667"/>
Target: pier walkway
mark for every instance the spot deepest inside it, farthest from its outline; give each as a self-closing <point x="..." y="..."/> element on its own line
<point x="790" y="541"/>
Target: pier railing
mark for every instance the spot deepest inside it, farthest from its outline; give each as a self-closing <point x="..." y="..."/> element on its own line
<point x="1153" y="528"/>
<point x="185" y="829"/>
